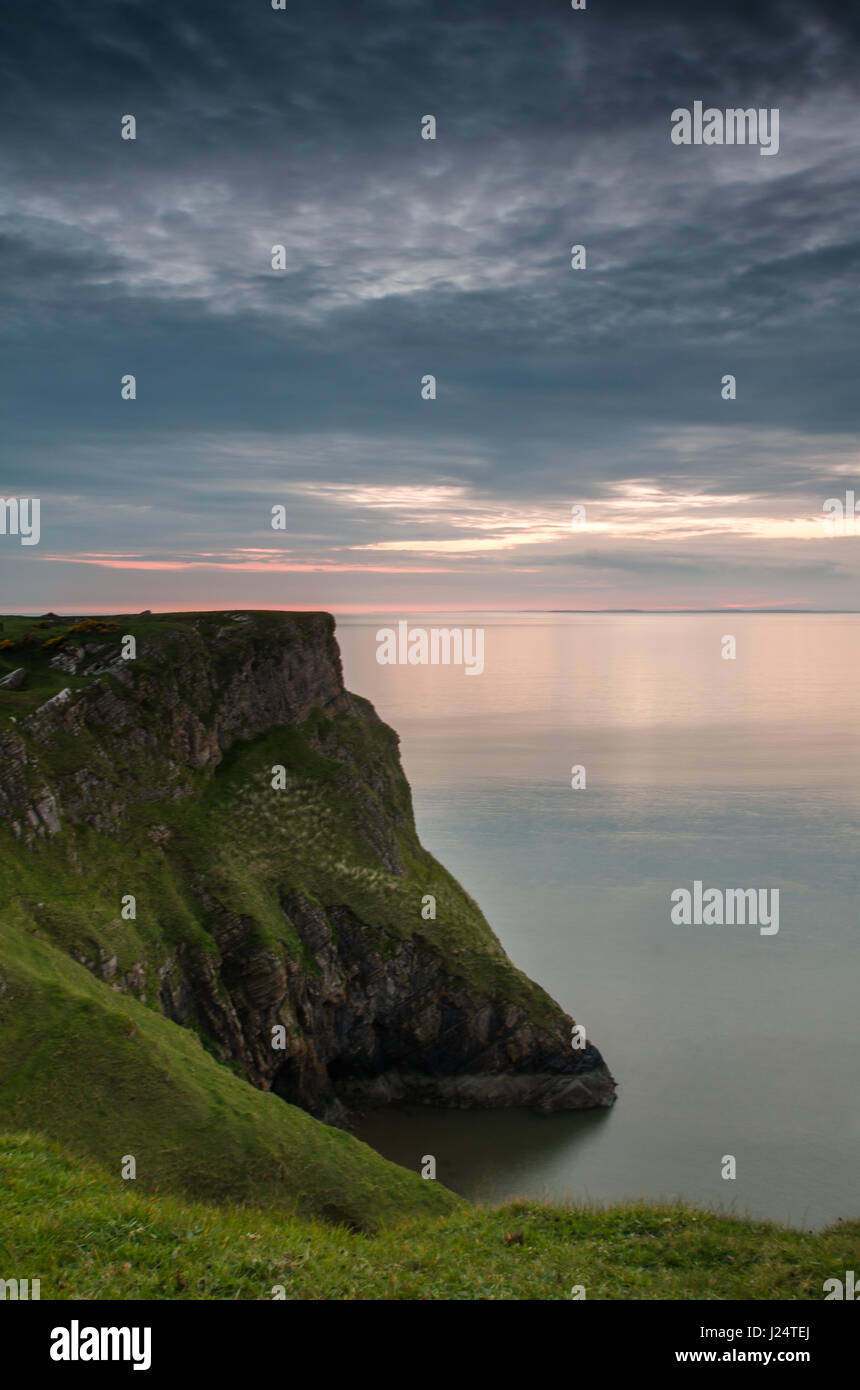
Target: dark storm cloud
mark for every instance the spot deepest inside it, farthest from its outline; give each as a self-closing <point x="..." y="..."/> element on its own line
<point x="406" y="257"/>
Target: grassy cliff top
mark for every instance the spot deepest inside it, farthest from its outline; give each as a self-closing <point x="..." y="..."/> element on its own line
<point x="86" y="1236"/>
<point x="32" y="643"/>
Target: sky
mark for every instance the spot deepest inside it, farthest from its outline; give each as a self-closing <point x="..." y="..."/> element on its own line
<point x="257" y="388"/>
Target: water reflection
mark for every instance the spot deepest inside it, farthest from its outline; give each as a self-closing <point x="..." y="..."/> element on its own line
<point x="738" y="773"/>
<point x="490" y="1156"/>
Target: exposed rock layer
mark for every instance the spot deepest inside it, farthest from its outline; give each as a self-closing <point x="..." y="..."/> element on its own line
<point x="367" y="1018"/>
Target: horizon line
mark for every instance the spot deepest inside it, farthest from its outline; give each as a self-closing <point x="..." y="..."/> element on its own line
<point x="371" y="612"/>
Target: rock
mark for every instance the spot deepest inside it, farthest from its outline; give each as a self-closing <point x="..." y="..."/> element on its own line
<point x="369" y="1014"/>
<point x="14" y="680"/>
<point x="56" y="701"/>
<point x="107" y="964"/>
<point x="46" y="809"/>
<point x="68" y="660"/>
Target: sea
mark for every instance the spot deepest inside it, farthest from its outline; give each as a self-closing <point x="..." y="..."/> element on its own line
<point x="735" y="764"/>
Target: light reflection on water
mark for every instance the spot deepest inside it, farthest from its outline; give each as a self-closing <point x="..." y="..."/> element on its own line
<point x="740" y="773"/>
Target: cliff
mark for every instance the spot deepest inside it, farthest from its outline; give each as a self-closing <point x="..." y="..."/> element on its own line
<point x="145" y="833"/>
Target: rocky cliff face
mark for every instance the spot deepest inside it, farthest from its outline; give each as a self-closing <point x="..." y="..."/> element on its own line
<point x="257" y="815"/>
<point x="177" y="708"/>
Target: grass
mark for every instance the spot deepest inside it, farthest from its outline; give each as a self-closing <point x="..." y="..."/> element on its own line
<point x="90" y="1062"/>
<point x="236" y="1191"/>
<point x="147" y="826"/>
<point x="105" y="1076"/>
<point x="88" y="1235"/>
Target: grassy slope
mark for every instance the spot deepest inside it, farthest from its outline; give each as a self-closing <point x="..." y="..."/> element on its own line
<point x="87" y="1235"/>
<point x="107" y="1076"/>
<point x="251" y="843"/>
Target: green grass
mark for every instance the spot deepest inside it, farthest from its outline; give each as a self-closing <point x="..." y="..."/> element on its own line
<point x="89" y="1235"/>
<point x="171" y="635"/>
<point x="236" y="1191"/>
<point x="321" y="836"/>
<point x="106" y="1076"/>
<point x="91" y="1062"/>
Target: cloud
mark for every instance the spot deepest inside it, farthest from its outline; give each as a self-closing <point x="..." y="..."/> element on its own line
<point x="404" y="256"/>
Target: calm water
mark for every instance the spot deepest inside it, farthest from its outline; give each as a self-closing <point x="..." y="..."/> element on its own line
<point x="740" y="773"/>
